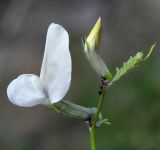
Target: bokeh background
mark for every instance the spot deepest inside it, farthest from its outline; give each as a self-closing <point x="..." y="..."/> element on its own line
<point x="132" y="105"/>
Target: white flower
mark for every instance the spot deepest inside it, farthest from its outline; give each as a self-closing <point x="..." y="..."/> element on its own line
<point x="55" y="76"/>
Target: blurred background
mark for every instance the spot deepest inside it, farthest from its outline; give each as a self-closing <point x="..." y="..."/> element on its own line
<point x="132" y="105"/>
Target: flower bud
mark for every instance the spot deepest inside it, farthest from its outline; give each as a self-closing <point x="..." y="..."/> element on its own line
<point x="93" y="39"/>
<point x="91" y="46"/>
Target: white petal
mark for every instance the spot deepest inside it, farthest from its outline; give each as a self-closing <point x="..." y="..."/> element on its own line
<point x="56" y="66"/>
<point x="26" y="91"/>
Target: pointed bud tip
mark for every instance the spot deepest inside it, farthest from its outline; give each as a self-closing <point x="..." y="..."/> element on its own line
<point x="97" y="28"/>
<point x="99" y="22"/>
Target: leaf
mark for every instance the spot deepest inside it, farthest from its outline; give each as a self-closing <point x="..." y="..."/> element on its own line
<point x="102" y="121"/>
<point x="150" y="51"/>
<point x="131" y="63"/>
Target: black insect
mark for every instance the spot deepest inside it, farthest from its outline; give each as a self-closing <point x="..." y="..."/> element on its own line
<point x="103" y="84"/>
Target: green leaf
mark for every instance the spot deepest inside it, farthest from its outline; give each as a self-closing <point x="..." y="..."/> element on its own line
<point x="131" y="63"/>
<point x="150" y="51"/>
<point x="102" y="121"/>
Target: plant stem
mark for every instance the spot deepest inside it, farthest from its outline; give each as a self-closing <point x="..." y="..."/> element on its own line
<point x="92" y="138"/>
<point x="95" y="119"/>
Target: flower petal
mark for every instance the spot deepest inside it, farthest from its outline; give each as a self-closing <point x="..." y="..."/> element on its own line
<point x="26" y="91"/>
<point x="56" y="65"/>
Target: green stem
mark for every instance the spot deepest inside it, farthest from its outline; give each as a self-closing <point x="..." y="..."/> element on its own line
<point x="95" y="119"/>
<point x="92" y="138"/>
<point x="99" y="108"/>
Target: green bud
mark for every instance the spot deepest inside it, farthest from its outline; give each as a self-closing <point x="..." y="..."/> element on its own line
<point x="93" y="39"/>
<point x="91" y="46"/>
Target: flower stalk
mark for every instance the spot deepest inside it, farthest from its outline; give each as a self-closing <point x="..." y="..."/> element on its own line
<point x="92" y="129"/>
